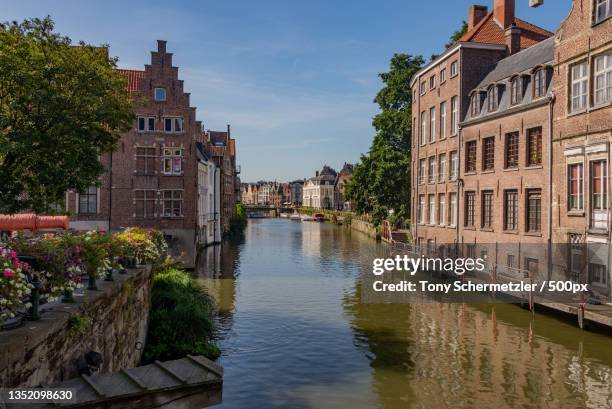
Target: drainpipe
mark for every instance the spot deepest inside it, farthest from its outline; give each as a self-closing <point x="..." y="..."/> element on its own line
<point x="110" y="192"/>
<point x="460" y="144"/>
<point x="551" y="101"/>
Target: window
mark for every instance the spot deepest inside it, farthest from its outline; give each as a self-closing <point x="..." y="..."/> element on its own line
<point x="432" y="169"/>
<point x="432" y="209"/>
<point x="454" y="108"/>
<point x="575" y="187"/>
<point x="432" y="124"/>
<point x="423" y="87"/>
<point x="173" y="203"/>
<point x="603" y="78"/>
<point x="173" y="161"/>
<point x="488" y="153"/>
<point x="421" y="210"/>
<point x="173" y="125"/>
<point x="454" y="68"/>
<point x="145" y="160"/>
<point x="144" y="201"/>
<point x="442" y="75"/>
<point x="599" y="195"/>
<point x="516" y="91"/>
<point x="432" y="82"/>
<point x="532" y="266"/>
<point x="475" y="104"/>
<point x="487" y="210"/>
<point x="492" y="100"/>
<point x="159" y="94"/>
<point x="597" y="274"/>
<point x="146" y="124"/>
<point x="602" y="10"/>
<point x="469" y="209"/>
<point x="539" y="83"/>
<point x="88" y="201"/>
<point x="470" y="156"/>
<point x="534" y="211"/>
<point x="534" y="146"/>
<point x="511" y="150"/>
<point x="511" y="261"/>
<point x="511" y="210"/>
<point x="454" y="165"/>
<point x="441" y="209"/>
<point x="442" y="167"/>
<point x="422" y="165"/>
<point x="423" y="128"/>
<point x="579" y="91"/>
<point x="452" y="216"/>
<point x="443" y="120"/>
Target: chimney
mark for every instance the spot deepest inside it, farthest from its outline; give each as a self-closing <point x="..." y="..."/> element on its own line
<point x="161" y="46"/>
<point x="503" y="11"/>
<point x="475" y="14"/>
<point x="513" y="39"/>
<point x="228" y="130"/>
<point x="317" y="173"/>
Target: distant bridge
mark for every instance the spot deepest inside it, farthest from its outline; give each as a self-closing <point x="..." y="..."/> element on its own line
<point x="267" y="211"/>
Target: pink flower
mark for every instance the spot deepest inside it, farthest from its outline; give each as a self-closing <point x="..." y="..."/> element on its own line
<point x="8" y="273"/>
<point x="78" y="248"/>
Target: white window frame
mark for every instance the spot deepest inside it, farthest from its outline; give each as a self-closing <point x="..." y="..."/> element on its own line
<point x="454" y="115"/>
<point x="604" y="5"/>
<point x="169" y="212"/>
<point x="432" y="82"/>
<point x="452" y="206"/>
<point x="602" y="79"/>
<point x="579" y="86"/>
<point x="174" y="124"/>
<point x="442" y="209"/>
<point x="431" y="208"/>
<point x="146" y="124"/>
<point x="155" y="95"/>
<point x="442" y="120"/>
<point x="442" y="167"/>
<point x="89" y="194"/>
<point x="454" y="68"/>
<point x="169" y="156"/>
<point x="580" y="182"/>
<point x="442" y="76"/>
<point x="421" y="209"/>
<point x="454" y="165"/>
<point x="431" y="169"/>
<point x="423" y="128"/>
<point x="432" y="124"/>
<point x="422" y="169"/>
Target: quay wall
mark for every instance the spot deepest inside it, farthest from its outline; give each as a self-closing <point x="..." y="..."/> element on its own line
<point x="111" y="321"/>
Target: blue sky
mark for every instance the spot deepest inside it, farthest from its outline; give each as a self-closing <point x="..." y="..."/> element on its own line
<point x="295" y="79"/>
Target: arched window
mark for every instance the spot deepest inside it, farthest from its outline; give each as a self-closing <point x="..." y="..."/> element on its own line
<point x="539" y="83"/>
<point x="492" y="99"/>
<point x="516" y="90"/>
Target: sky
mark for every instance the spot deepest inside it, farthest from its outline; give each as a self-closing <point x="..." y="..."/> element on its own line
<point x="295" y="79"/>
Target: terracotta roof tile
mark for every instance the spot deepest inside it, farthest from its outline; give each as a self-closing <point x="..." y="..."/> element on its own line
<point x="488" y="31"/>
<point x="132" y="77"/>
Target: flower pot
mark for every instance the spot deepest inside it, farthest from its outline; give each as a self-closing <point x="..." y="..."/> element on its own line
<point x="67" y="296"/>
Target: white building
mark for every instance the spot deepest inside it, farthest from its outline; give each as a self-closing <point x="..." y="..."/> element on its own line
<point x="319" y="191"/>
<point x="209" y="199"/>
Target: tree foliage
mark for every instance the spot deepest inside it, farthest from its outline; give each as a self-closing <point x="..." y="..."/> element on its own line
<point x="457" y="34"/>
<point x="380" y="184"/>
<point x="61" y="107"/>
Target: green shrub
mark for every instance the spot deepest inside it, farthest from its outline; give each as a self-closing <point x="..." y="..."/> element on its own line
<point x="181" y="318"/>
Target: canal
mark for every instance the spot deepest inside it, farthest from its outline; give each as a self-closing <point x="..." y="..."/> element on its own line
<point x="294" y="333"/>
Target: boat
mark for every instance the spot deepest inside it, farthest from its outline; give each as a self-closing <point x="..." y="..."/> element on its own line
<point x="256" y="215"/>
<point x="284" y="215"/>
<point x="307" y="218"/>
<point x="319" y="217"/>
<point x="295" y="216"/>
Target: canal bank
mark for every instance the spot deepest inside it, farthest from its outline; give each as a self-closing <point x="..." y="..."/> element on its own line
<point x="295" y="331"/>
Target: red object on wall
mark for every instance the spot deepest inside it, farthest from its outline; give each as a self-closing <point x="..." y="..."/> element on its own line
<point x="30" y="221"/>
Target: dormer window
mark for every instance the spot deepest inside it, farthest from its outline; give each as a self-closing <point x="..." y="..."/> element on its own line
<point x="159" y="94"/>
<point x="539" y="83"/>
<point x="516" y="90"/>
<point x="475" y="104"/>
<point x="492" y="101"/>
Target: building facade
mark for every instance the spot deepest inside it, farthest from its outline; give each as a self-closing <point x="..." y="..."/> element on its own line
<point x="152" y="179"/>
<point x="319" y="191"/>
<point x="344" y="176"/>
<point x="297" y="187"/>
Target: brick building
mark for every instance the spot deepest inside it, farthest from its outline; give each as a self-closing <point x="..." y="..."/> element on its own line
<point x="582" y="134"/>
<point x="223" y="151"/>
<point x="441" y="92"/>
<point x="152" y="177"/>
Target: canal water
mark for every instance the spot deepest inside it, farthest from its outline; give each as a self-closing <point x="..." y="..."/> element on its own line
<point x="294" y="333"/>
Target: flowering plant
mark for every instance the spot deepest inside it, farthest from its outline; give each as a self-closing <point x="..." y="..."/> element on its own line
<point x="146" y="245"/>
<point x="14" y="286"/>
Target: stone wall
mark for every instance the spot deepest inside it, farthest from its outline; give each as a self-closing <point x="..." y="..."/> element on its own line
<point x="111" y="321"/>
<point x="365" y="228"/>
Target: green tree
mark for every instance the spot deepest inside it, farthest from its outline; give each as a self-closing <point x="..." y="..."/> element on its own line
<point x="457" y="34"/>
<point x="61" y="107"/>
<point x="381" y="181"/>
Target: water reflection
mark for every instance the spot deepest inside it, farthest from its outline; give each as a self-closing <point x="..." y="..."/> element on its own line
<point x="295" y="333"/>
